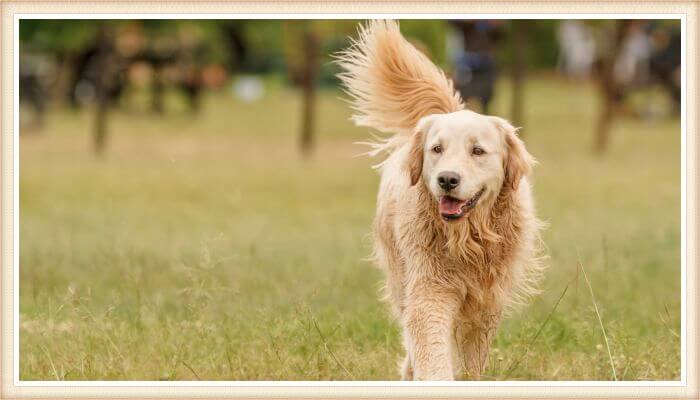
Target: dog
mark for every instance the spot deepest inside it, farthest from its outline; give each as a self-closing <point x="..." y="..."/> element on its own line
<point x="455" y="230"/>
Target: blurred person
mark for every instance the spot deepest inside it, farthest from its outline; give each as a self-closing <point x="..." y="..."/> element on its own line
<point x="34" y="73"/>
<point x="576" y="49"/>
<point x="648" y="54"/>
<point x="632" y="64"/>
<point x="476" y="70"/>
<point x="665" y="59"/>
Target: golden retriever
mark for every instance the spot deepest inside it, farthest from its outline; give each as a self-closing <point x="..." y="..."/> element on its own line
<point x="455" y="229"/>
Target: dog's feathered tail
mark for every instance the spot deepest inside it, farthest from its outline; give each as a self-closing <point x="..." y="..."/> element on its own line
<point x="391" y="84"/>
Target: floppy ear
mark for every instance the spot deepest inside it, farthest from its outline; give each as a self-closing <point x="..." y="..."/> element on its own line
<point x="415" y="153"/>
<point x="415" y="156"/>
<point x="517" y="162"/>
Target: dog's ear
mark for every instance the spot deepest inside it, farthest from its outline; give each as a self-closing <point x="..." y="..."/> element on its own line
<point x="517" y="162"/>
<point x="415" y="152"/>
<point x="415" y="156"/>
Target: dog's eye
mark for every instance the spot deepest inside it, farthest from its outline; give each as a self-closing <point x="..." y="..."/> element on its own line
<point x="477" y="151"/>
<point x="437" y="149"/>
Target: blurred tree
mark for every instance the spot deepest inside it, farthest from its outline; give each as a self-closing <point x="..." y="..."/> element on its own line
<point x="610" y="37"/>
<point x="431" y="34"/>
<point x="518" y="66"/>
<point x="161" y="50"/>
<point x="65" y="40"/>
<point x="108" y="65"/>
<point x="303" y="62"/>
<point x="303" y="41"/>
<point x="543" y="48"/>
<point x="308" y="83"/>
<point x="234" y="35"/>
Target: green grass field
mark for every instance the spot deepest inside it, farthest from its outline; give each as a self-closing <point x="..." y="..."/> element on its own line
<point x="205" y="248"/>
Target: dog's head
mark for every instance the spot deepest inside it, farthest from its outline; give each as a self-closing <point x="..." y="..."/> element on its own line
<point x="465" y="159"/>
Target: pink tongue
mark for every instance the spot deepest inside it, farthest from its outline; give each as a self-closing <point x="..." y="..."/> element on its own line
<point x="450" y="205"/>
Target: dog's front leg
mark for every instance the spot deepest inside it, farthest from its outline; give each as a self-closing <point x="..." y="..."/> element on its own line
<point x="428" y="323"/>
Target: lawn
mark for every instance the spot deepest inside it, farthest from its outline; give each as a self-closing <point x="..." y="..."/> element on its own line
<point x="204" y="247"/>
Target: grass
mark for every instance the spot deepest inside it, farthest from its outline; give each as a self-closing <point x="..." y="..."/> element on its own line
<point x="202" y="247"/>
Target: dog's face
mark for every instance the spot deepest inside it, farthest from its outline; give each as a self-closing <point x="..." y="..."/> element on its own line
<point x="465" y="158"/>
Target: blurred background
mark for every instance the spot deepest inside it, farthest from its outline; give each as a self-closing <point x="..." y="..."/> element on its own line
<point x="143" y="65"/>
<point x="193" y="207"/>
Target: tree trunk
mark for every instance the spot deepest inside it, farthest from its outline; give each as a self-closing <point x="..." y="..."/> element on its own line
<point x="101" y="125"/>
<point x="106" y="61"/>
<point x="518" y="70"/>
<point x="157" y="90"/>
<point x="308" y="82"/>
<point x="605" y="119"/>
<point x="610" y="93"/>
<point x="61" y="89"/>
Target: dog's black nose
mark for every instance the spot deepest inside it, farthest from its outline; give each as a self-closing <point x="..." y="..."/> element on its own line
<point x="448" y="180"/>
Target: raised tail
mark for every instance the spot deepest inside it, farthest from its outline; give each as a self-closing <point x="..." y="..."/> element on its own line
<point x="392" y="85"/>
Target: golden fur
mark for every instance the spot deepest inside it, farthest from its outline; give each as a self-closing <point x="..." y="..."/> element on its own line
<point x="392" y="84"/>
<point x="448" y="282"/>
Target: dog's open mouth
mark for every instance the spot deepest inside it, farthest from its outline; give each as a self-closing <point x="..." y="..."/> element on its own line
<point x="452" y="208"/>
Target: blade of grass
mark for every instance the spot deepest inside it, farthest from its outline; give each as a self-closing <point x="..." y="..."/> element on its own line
<point x="328" y="349"/>
<point x="532" y="341"/>
<point x="53" y="367"/>
<point x="665" y="322"/>
<point x="600" y="320"/>
<point x="183" y="362"/>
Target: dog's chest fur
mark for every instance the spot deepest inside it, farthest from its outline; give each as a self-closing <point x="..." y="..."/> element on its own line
<point x="472" y="256"/>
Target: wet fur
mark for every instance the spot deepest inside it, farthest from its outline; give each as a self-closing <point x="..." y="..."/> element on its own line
<point x="448" y="283"/>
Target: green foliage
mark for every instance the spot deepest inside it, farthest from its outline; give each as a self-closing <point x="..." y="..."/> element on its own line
<point x="57" y="36"/>
<point x="542" y="46"/>
<point x="429" y="33"/>
<point x="265" y="45"/>
<point x="270" y="48"/>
